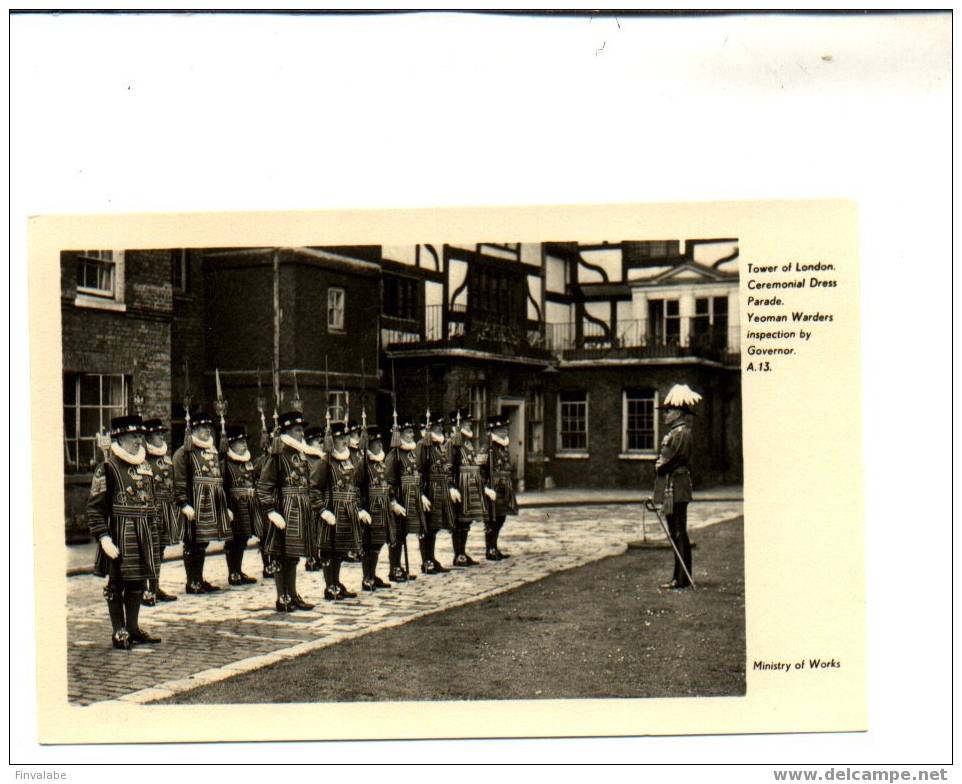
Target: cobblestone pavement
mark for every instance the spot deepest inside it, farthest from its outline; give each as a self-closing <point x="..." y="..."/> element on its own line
<point x="211" y="637"/>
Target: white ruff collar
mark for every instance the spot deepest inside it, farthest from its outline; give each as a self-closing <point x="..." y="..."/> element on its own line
<point x="123" y="454"/>
<point x="354" y="443"/>
<point x="239" y="457"/>
<point x="293" y="443"/>
<point x="377" y="458"/>
<point x="437" y="439"/>
<point x="208" y="444"/>
<point x="498" y="440"/>
<point x="313" y="451"/>
<point x="409" y="446"/>
<point x="345" y="455"/>
<point x="156" y="451"/>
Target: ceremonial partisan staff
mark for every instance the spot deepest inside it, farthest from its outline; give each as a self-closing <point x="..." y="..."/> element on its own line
<point x="261" y="406"/>
<point x="328" y="437"/>
<point x="296" y="403"/>
<point x="396" y="446"/>
<point x="362" y="440"/>
<point x="220" y="406"/>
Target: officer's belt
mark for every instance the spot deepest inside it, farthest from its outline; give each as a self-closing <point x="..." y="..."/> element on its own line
<point x="245" y="491"/>
<point x="295" y="491"/>
<point x="207" y="480"/>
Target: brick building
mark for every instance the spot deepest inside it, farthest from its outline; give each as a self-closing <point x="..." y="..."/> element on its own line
<point x="576" y="343"/>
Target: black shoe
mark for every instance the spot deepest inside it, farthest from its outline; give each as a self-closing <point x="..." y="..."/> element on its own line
<point x="397" y="575"/>
<point x="332" y="594"/>
<point x="464" y="561"/>
<point x="300" y="604"/>
<point x="492" y="554"/>
<point x="672" y="585"/>
<point x="142" y="637"/>
<point x="368" y="585"/>
<point x="433" y="567"/>
<point x="352" y="557"/>
<point x="163" y="596"/>
<point x="345" y="594"/>
<point x="284" y="605"/>
<point x="235" y="579"/>
<point x="148" y="599"/>
<point x="379" y="583"/>
<point x="268" y="575"/>
<point x="501" y="556"/>
<point x="209" y="587"/>
<point x="195" y="588"/>
<point x="121" y="640"/>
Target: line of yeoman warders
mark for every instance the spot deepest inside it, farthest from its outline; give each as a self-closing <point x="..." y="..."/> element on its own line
<point x="328" y="494"/>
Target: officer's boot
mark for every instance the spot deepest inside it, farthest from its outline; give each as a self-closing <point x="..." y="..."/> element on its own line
<point x="395" y="572"/>
<point x="375" y="555"/>
<point x="468" y="560"/>
<point x="115" y="607"/>
<point x="424" y="545"/>
<point x="138" y="636"/>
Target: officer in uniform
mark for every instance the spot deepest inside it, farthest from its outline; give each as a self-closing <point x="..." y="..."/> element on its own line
<point x="500" y="490"/>
<point x="673" y="476"/>
<point x="340" y="510"/>
<point x="377" y="496"/>
<point x="314" y="436"/>
<point x="240" y="481"/>
<point x="441" y="493"/>
<point x="469" y="480"/>
<point x="199" y="494"/>
<point x="286" y="497"/>
<point x="403" y="468"/>
<point x="120" y="514"/>
<point x="170" y="526"/>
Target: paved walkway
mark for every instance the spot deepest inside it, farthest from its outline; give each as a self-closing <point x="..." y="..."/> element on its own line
<point x="214" y="636"/>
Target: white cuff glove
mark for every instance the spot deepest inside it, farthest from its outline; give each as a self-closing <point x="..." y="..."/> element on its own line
<point x="425" y="503"/>
<point x="277" y="519"/>
<point x="491" y="494"/>
<point x="398" y="509"/>
<point x="230" y="515"/>
<point x="364" y="517"/>
<point x="188" y="512"/>
<point x="455" y="495"/>
<point x="328" y="517"/>
<point x="109" y="548"/>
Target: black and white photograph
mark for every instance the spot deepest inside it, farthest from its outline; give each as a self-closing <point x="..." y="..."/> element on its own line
<point x="488" y="471"/>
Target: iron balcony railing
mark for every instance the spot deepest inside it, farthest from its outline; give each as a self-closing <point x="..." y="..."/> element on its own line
<point x="460" y="328"/>
<point x="643" y="339"/>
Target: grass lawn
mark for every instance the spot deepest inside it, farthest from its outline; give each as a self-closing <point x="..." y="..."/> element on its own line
<point x="602" y="630"/>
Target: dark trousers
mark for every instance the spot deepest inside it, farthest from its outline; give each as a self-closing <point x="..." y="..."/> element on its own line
<point x="194" y="557"/>
<point x="678" y="527"/>
<point x="234" y="554"/>
<point x="123" y="599"/>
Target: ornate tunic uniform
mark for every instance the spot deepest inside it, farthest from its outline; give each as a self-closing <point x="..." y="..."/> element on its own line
<point x="122" y="505"/>
<point x="170" y="528"/>
<point x="284" y="486"/>
<point x="240" y="485"/>
<point x="343" y="501"/>
<point x="673" y="478"/>
<point x="198" y="482"/>
<point x="440" y="482"/>
<point x="500" y="477"/>
<point x="470" y="467"/>
<point x="377" y="494"/>
<point x="405" y="469"/>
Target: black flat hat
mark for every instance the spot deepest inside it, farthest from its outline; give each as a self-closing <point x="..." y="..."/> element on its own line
<point x="201" y="418"/>
<point x="235" y="432"/>
<point x="314" y="431"/>
<point x="126" y="424"/>
<point x="338" y="429"/>
<point x="291" y="419"/>
<point x="154" y="426"/>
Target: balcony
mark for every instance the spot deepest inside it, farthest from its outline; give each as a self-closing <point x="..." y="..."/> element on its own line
<point x="457" y="328"/>
<point x="635" y="340"/>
